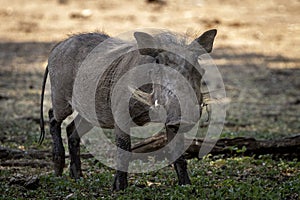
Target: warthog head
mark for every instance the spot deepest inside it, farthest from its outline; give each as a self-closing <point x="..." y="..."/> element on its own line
<point x="177" y="76"/>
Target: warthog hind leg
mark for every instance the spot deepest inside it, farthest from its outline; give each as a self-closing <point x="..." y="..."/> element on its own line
<point x="58" y="150"/>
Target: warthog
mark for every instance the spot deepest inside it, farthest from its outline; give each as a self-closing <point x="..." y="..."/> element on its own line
<point x="64" y="64"/>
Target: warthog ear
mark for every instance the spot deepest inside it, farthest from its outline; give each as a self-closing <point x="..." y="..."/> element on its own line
<point x="146" y="44"/>
<point x="206" y="41"/>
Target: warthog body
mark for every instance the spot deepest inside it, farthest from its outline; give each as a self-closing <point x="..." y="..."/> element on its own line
<point x="64" y="64"/>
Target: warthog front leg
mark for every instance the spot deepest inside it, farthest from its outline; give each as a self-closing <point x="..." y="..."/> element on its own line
<point x="58" y="150"/>
<point x="180" y="163"/>
<point x="76" y="127"/>
<point x="123" y="143"/>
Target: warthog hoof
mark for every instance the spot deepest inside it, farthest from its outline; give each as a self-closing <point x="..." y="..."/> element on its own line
<point x="120" y="182"/>
<point x="75" y="172"/>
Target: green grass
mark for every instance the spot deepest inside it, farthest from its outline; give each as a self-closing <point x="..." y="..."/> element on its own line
<point x="217" y="178"/>
<point x="212" y="177"/>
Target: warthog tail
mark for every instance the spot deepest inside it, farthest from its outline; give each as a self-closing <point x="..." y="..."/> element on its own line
<point x="42" y="123"/>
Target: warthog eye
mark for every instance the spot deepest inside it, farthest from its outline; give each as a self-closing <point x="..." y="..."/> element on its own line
<point x="157" y="61"/>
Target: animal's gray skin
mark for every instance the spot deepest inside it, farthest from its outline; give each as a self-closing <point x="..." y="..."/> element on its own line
<point x="63" y="64"/>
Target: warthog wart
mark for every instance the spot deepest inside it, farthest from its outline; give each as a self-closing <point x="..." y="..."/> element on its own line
<point x="64" y="64"/>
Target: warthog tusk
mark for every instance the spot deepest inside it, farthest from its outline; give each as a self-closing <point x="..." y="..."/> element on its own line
<point x="141" y="96"/>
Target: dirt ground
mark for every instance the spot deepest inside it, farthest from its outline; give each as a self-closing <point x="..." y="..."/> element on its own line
<point x="256" y="50"/>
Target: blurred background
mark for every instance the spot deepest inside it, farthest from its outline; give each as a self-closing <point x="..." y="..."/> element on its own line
<point x="256" y="50"/>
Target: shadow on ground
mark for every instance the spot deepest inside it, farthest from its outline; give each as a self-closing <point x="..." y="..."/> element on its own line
<point x="264" y="92"/>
